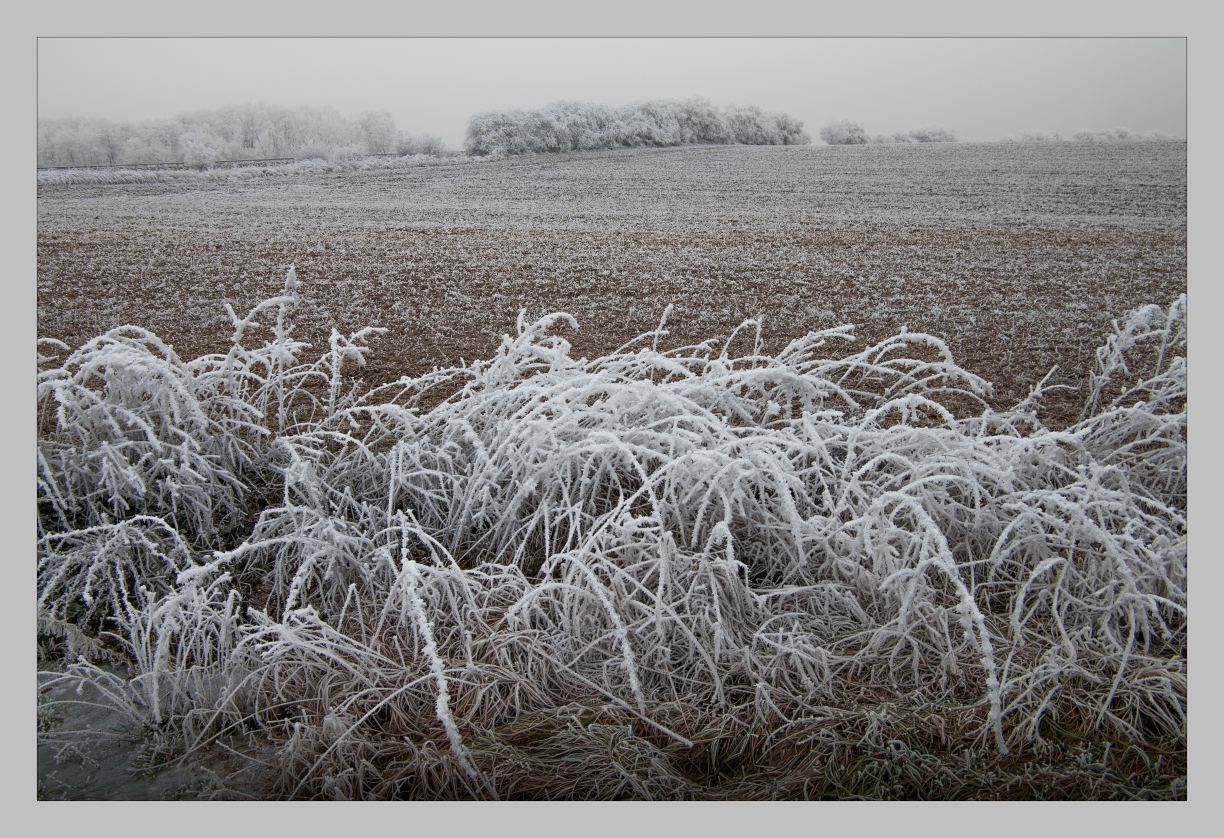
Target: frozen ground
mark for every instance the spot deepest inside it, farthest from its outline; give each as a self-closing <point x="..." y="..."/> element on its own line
<point x="1019" y="256"/>
<point x="89" y="750"/>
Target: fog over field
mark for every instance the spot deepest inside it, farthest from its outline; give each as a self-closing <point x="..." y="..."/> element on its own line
<point x="984" y="88"/>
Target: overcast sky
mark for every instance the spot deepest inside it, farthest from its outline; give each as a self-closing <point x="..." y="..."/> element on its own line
<point x="983" y="88"/>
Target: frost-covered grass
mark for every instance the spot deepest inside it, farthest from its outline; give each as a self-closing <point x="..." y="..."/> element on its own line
<point x="699" y="571"/>
<point x="324" y="162"/>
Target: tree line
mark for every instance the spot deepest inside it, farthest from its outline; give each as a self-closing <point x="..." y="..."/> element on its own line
<point x="235" y="132"/>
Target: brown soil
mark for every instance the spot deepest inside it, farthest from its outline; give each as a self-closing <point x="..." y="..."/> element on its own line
<point x="1019" y="257"/>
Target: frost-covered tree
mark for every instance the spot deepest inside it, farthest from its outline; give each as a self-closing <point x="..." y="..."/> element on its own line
<point x="198" y="147"/>
<point x="582" y="126"/>
<point x="702" y="122"/>
<point x="233" y="132"/>
<point x="791" y="130"/>
<point x="933" y="134"/>
<point x="752" y="126"/>
<point x="80" y="142"/>
<point x="377" y="131"/>
<point x="844" y="132"/>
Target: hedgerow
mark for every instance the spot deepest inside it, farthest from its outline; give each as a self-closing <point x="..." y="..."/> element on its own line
<point x="584" y="126"/>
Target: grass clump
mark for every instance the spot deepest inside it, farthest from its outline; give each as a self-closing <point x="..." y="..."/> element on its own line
<point x="698" y="572"/>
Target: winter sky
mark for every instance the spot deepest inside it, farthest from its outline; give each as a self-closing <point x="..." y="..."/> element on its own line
<point x="982" y="87"/>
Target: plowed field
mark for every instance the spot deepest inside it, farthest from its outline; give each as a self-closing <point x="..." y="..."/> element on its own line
<point x="1018" y="255"/>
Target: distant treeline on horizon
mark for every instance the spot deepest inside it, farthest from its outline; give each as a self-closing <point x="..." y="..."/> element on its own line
<point x="235" y="132"/>
<point x="1109" y="135"/>
<point x="260" y="131"/>
<point x="848" y="132"/>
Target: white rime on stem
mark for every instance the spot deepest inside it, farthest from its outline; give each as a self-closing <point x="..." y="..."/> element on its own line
<point x="412" y="581"/>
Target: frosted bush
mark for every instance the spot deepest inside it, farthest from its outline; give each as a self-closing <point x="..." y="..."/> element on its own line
<point x="352" y="151"/>
<point x="641" y="554"/>
<point x="1032" y="136"/>
<point x="312" y="149"/>
<point x="1113" y="135"/>
<point x="933" y="134"/>
<point x="430" y="145"/>
<point x="844" y="132"/>
<point x="1120" y="135"/>
<point x="316" y="149"/>
<point x="847" y="132"/>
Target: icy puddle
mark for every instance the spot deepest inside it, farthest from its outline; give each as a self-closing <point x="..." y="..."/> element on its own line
<point x="90" y="750"/>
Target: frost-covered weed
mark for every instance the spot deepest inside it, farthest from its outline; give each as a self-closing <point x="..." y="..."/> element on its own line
<point x="425" y="588"/>
<point x="315" y="149"/>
